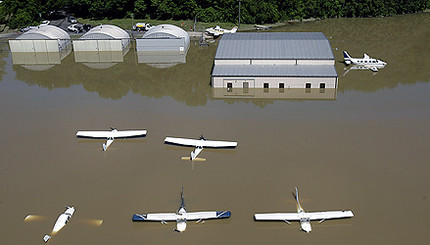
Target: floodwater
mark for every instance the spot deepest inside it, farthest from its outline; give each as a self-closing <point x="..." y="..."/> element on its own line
<point x="363" y="147"/>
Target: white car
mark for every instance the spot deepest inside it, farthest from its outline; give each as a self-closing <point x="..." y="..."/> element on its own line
<point x="45" y="23"/>
<point x="74" y="28"/>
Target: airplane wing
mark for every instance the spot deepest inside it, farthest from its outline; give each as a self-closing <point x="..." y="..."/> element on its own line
<point x="111" y="134"/>
<point x="202" y="143"/>
<point x="155" y="217"/>
<point x="277" y="216"/>
<point x="208" y="215"/>
<point x="330" y="215"/>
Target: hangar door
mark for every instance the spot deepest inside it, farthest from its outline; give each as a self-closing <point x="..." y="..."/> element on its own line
<point x="88" y="45"/>
<point x="36" y="46"/>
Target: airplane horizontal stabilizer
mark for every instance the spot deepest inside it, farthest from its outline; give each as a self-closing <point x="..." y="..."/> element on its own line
<point x="197" y="159"/>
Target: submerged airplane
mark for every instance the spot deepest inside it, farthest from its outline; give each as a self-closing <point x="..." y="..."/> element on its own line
<point x="199" y="144"/>
<point x="111" y="135"/>
<point x="366" y="61"/>
<point x="218" y="31"/>
<point x="59" y="224"/>
<point x="62" y="220"/>
<point x="182" y="216"/>
<point x="305" y="218"/>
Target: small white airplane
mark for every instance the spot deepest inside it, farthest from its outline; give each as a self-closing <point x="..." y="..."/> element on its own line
<point x="218" y="31"/>
<point x="59" y="224"/>
<point x="366" y="61"/>
<point x="305" y="218"/>
<point x="62" y="220"/>
<point x="199" y="144"/>
<point x="111" y="135"/>
<point x="182" y="216"/>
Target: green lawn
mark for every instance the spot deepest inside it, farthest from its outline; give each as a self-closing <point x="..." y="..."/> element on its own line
<point x="185" y="24"/>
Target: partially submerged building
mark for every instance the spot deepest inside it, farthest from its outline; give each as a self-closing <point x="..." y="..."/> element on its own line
<point x="102" y="47"/>
<point x="164" y="38"/>
<point x="103" y="38"/>
<point x="40" y="48"/>
<point x="274" y="60"/>
<point x="41" y="39"/>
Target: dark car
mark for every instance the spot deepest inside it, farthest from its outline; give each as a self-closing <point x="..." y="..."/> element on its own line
<point x="87" y="27"/>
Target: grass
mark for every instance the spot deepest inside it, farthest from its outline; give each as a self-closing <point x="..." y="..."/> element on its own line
<point x="185" y="24"/>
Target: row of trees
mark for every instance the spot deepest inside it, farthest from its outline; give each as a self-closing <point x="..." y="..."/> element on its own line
<point x="19" y="13"/>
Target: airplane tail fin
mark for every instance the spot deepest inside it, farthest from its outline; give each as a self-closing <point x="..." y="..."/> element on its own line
<point x="346" y="55"/>
<point x="346" y="58"/>
<point x="182" y="198"/>
<point x="299" y="207"/>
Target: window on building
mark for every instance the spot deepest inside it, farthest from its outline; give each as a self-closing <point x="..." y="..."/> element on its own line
<point x="308" y="85"/>
<point x="266" y="87"/>
<point x="229" y="87"/>
<point x="281" y="87"/>
<point x="322" y="88"/>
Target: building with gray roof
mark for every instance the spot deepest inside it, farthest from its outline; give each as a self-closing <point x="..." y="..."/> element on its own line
<point x="274" y="60"/>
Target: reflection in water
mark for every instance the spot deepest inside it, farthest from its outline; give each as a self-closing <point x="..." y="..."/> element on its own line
<point x="100" y="59"/>
<point x="357" y="68"/>
<point x="161" y="59"/>
<point x="39" y="61"/>
<point x="190" y="82"/>
<point x="275" y="93"/>
<point x="186" y="82"/>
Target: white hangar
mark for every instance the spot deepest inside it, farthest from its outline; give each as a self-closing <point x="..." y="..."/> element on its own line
<point x="103" y="38"/>
<point x="41" y="39"/>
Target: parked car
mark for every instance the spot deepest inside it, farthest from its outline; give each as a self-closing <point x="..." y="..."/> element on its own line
<point x="27" y="28"/>
<point x="141" y="27"/>
<point x="45" y="23"/>
<point x="72" y="19"/>
<point x="87" y="27"/>
<point x="75" y="28"/>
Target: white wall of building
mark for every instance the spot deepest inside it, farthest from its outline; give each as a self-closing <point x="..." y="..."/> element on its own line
<point x="35" y="45"/>
<point x="101" y="45"/>
<point x="315" y="62"/>
<point x="273" y="82"/>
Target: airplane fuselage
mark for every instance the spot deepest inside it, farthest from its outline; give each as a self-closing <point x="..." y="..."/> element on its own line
<point x="63" y="219"/>
<point x="181" y="220"/>
<point x="366" y="62"/>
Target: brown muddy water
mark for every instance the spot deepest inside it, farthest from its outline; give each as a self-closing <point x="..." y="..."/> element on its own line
<point x="364" y="147"/>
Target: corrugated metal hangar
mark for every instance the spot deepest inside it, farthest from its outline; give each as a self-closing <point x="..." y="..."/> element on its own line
<point x="164" y="38"/>
<point x="41" y="39"/>
<point x="103" y="38"/>
<point x="274" y="60"/>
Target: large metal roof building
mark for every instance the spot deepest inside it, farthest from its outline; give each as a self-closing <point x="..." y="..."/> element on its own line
<point x="274" y="60"/>
<point x="276" y="45"/>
